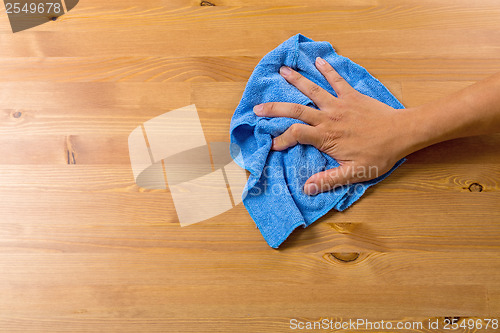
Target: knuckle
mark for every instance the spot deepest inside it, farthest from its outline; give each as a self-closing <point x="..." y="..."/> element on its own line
<point x="296" y="76"/>
<point x="271" y="107"/>
<point x="337" y="78"/>
<point x="314" y="90"/>
<point x="332" y="176"/>
<point x="281" y="140"/>
<point x="330" y="70"/>
<point x="297" y="111"/>
<point x="329" y="179"/>
<point x="335" y="117"/>
<point x="295" y="130"/>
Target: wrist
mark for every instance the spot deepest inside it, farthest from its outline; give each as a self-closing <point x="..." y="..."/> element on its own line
<point x="413" y="131"/>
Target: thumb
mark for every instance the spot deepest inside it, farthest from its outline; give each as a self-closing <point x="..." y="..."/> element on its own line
<point x="330" y="179"/>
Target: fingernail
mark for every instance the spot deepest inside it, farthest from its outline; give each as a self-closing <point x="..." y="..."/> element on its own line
<point x="275" y="142"/>
<point x="311" y="189"/>
<point x="258" y="109"/>
<point x="285" y="70"/>
<point x="320" y="61"/>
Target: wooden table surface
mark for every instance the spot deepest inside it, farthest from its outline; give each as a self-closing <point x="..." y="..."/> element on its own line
<point x="84" y="249"/>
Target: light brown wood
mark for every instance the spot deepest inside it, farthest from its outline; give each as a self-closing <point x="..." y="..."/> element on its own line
<point x="84" y="249"/>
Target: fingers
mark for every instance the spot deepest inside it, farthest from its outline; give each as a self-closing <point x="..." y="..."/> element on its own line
<point x="329" y="179"/>
<point x="336" y="81"/>
<point x="297" y="133"/>
<point x="290" y="110"/>
<point x="318" y="95"/>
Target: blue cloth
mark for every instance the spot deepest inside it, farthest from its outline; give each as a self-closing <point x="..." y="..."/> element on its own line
<point x="274" y="194"/>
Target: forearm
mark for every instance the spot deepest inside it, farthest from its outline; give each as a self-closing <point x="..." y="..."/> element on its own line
<point x="474" y="110"/>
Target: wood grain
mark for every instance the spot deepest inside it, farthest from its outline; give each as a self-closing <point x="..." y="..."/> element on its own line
<point x="84" y="249"/>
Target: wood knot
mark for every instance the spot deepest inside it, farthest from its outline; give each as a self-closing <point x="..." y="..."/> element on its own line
<point x="343" y="228"/>
<point x="475" y="187"/>
<point x="206" y="3"/>
<point x="17" y="114"/>
<point x="345" y="256"/>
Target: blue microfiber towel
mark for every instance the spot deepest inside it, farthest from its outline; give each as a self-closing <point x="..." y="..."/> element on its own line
<point x="274" y="194"/>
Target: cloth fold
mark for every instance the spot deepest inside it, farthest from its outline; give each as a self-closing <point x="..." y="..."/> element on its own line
<point x="274" y="194"/>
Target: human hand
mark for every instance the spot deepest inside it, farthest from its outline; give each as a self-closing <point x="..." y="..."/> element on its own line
<point x="364" y="135"/>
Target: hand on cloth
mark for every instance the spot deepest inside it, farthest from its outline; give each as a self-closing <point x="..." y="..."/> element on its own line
<point x="355" y="129"/>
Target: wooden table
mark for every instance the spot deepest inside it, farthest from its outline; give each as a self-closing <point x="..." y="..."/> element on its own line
<point x="84" y="249"/>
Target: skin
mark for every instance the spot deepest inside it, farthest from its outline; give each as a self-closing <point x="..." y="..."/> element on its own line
<point x="361" y="132"/>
